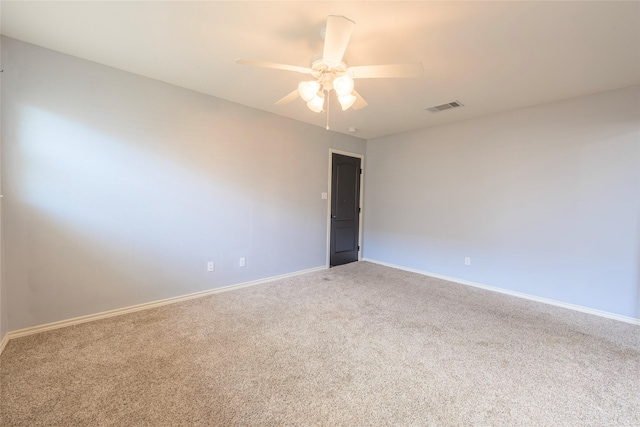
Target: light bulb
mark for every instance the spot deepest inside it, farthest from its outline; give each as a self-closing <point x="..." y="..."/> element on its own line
<point x="316" y="104"/>
<point x="346" y="101"/>
<point x="343" y="85"/>
<point x="308" y="90"/>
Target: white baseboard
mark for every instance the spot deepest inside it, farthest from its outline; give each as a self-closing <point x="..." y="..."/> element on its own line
<point x="608" y="315"/>
<point x="4" y="342"/>
<point x="120" y="311"/>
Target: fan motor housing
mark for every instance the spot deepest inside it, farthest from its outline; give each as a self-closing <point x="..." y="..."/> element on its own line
<point x="319" y="67"/>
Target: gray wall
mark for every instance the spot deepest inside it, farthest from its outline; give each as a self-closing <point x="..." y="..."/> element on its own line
<point x="3" y="310"/>
<point x="545" y="200"/>
<point x="119" y="189"/>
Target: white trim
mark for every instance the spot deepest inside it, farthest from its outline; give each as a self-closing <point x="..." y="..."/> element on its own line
<point x="4" y="342"/>
<point x="606" y="314"/>
<point x="119" y="311"/>
<point x="361" y="157"/>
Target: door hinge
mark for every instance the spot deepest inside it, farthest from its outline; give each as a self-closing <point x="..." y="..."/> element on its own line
<point x="360" y="171"/>
<point x="358" y="248"/>
<point x="359" y="210"/>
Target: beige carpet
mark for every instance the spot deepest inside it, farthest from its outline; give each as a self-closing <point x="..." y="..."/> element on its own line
<point x="356" y="345"/>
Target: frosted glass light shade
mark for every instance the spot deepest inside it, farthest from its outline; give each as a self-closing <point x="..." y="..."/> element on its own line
<point x="316" y="104"/>
<point x="308" y="90"/>
<point x="343" y="85"/>
<point x="346" y="101"/>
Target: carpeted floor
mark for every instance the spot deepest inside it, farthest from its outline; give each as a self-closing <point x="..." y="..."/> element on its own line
<point x="355" y="345"/>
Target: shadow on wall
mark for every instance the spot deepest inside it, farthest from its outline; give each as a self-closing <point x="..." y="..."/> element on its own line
<point x="113" y="221"/>
<point x="105" y="212"/>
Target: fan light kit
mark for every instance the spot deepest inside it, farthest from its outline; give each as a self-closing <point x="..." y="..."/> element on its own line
<point x="313" y="92"/>
<point x="331" y="73"/>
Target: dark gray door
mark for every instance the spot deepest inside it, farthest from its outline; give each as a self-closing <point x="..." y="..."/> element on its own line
<point x="345" y="209"/>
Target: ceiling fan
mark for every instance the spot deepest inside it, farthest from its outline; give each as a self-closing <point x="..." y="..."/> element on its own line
<point x="331" y="72"/>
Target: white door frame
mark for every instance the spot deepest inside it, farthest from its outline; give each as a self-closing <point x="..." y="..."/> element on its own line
<point x="361" y="157"/>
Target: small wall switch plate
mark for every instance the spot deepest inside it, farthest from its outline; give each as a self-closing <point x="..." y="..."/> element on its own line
<point x="324" y="196"/>
<point x="467" y="261"/>
<point x="242" y="262"/>
<point x="211" y="266"/>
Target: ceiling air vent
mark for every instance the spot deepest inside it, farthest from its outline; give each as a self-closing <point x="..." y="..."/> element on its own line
<point x="447" y="106"/>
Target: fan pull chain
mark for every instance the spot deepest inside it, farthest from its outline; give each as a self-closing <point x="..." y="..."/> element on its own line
<point x="328" y="102"/>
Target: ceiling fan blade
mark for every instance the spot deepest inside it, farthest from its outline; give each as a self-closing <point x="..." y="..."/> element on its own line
<point x="388" y="71"/>
<point x="360" y="102"/>
<point x="287" y="99"/>
<point x="264" y="64"/>
<point x="336" y="38"/>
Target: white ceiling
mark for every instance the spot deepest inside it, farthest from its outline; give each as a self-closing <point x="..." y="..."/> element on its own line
<point x="490" y="56"/>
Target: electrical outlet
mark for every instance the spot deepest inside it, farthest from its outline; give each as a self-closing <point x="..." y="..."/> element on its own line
<point x="467" y="261"/>
<point x="211" y="266"/>
<point x="242" y="262"/>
